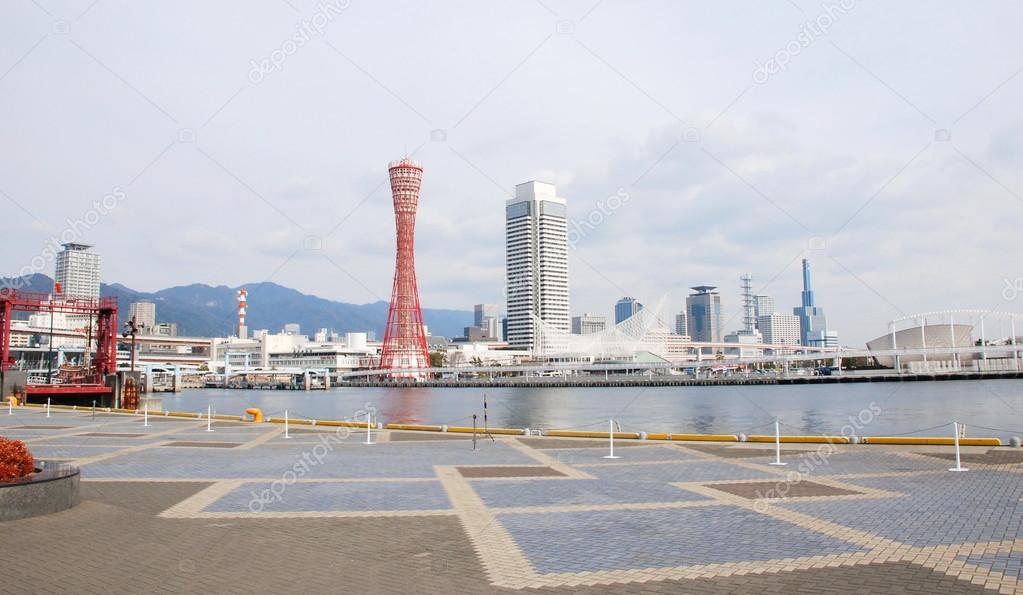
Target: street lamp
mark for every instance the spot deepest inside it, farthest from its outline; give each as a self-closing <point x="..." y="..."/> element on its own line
<point x="131" y="328"/>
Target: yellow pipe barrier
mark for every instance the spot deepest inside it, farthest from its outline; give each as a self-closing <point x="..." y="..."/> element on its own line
<point x="706" y="437"/>
<point x="13" y="400"/>
<point x="413" y="427"/>
<point x="292" y="421"/>
<point x="479" y="430"/>
<point x="931" y="441"/>
<point x="256" y="413"/>
<point x="800" y="439"/>
<point x="574" y="434"/>
<point x="340" y="423"/>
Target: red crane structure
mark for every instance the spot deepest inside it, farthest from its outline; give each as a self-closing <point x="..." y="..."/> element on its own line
<point x="103" y="310"/>
<point x="405" y="335"/>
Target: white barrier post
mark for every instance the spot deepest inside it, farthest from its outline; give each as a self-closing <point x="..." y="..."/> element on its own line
<point x="286" y="435"/>
<point x="145" y="415"/>
<point x="959" y="464"/>
<point x="209" y="418"/>
<point x="10" y="407"/>
<point x="611" y="439"/>
<point x="369" y="428"/>
<point x="777" y="444"/>
<point x="47" y="406"/>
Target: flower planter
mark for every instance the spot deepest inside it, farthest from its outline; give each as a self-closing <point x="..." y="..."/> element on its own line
<point x="52" y="488"/>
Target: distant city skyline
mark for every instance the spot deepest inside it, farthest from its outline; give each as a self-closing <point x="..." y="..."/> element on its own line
<point x="875" y="153"/>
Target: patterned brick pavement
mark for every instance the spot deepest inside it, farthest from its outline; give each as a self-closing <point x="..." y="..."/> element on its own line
<point x="425" y="513"/>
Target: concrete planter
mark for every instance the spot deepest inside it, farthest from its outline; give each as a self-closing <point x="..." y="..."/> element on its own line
<point x="53" y="488"/>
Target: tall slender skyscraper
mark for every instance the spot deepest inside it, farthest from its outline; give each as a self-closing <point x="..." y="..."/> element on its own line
<point x="405" y="335"/>
<point x="813" y="325"/>
<point x="536" y="262"/>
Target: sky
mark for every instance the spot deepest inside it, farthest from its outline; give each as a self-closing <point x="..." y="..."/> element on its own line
<point x="237" y="142"/>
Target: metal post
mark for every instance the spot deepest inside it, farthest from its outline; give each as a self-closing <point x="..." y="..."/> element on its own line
<point x="145" y="415"/>
<point x="209" y="418"/>
<point x="10" y="407"/>
<point x="959" y="464"/>
<point x="47" y="406"/>
<point x="369" y="428"/>
<point x="474" y="431"/>
<point x="923" y="340"/>
<point x="94" y="411"/>
<point x="1012" y="331"/>
<point x="983" y="340"/>
<point x="49" y="355"/>
<point x="952" y="332"/>
<point x="286" y="435"/>
<point x="611" y="439"/>
<point x="895" y="349"/>
<point x="777" y="444"/>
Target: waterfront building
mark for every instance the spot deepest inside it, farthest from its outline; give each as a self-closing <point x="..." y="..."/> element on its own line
<point x="681" y="324"/>
<point x="166" y="329"/>
<point x="77" y="271"/>
<point x="703" y="309"/>
<point x="626" y="308"/>
<point x="741" y="338"/>
<point x="536" y="262"/>
<point x="587" y="324"/>
<point x="144" y="313"/>
<point x="813" y="324"/>
<point x="780" y="329"/>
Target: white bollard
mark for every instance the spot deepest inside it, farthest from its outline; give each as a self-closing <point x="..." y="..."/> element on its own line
<point x="209" y="418"/>
<point x="286" y="435"/>
<point x="959" y="464"/>
<point x="47" y="406"/>
<point x="777" y="445"/>
<point x="369" y="428"/>
<point x="145" y="415"/>
<point x="10" y="407"/>
<point x="611" y="439"/>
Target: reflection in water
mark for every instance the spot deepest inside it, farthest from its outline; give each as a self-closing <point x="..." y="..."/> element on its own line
<point x="809" y="409"/>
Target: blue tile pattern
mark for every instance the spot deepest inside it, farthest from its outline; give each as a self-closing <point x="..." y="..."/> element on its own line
<point x="616" y="540"/>
<point x="336" y="496"/>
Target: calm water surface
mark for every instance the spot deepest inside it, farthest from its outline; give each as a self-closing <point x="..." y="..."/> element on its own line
<point x="811" y="409"/>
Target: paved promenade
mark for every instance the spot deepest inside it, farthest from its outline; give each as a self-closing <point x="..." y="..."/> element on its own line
<point x="174" y="508"/>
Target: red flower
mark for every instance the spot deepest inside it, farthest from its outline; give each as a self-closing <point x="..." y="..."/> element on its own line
<point x="15" y="460"/>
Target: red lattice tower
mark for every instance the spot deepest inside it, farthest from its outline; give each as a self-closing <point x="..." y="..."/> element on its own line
<point x="405" y="336"/>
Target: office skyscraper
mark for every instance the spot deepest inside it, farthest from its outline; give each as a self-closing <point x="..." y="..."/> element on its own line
<point x="780" y="329"/>
<point x="536" y="262"/>
<point x="78" y="271"/>
<point x="813" y="325"/>
<point x="763" y="305"/>
<point x="703" y="309"/>
<point x="626" y="308"/>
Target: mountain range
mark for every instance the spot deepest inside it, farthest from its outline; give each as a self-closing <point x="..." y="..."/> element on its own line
<point x="206" y="311"/>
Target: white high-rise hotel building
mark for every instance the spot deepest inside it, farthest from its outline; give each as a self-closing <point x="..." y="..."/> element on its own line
<point x="536" y="262"/>
<point x="78" y="271"/>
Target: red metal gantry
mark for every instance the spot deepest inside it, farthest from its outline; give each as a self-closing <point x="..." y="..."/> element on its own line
<point x="103" y="309"/>
<point x="405" y="336"/>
